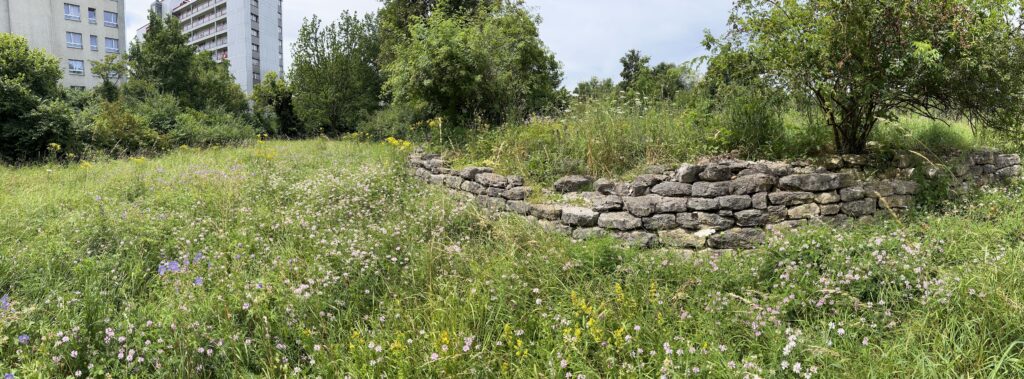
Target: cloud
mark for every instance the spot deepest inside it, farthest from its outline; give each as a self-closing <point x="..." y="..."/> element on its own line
<point x="587" y="36"/>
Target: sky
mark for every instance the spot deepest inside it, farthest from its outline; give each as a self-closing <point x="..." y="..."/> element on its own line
<point x="587" y="36"/>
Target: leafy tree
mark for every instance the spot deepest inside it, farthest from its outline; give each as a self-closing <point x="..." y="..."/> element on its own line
<point x="865" y="60"/>
<point x="490" y="66"/>
<point x="595" y="88"/>
<point x="634" y="65"/>
<point x="165" y="58"/>
<point x="214" y="87"/>
<point x="396" y="17"/>
<point x="111" y="70"/>
<point x="335" y="76"/>
<point x="273" y="98"/>
<point x="28" y="79"/>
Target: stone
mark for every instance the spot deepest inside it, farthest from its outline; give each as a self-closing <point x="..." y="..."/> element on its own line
<point x="515" y="181"/>
<point x="657" y="169"/>
<point x="642" y="184"/>
<point x="641" y="206"/>
<point x="672" y="189"/>
<point x="588" y="233"/>
<point x="671" y="205"/>
<point x="546" y="211"/>
<point x="877" y="189"/>
<point x="494" y="192"/>
<point x="495" y="204"/>
<point x="687" y="221"/>
<point x="790" y="198"/>
<point x="436" y="179"/>
<point x="453" y="182"/>
<point x="579" y="216"/>
<point x="609" y="203"/>
<point x="896" y="201"/>
<point x="827" y="198"/>
<point x="714" y="221"/>
<point x="619" y="221"/>
<point x="903" y="160"/>
<point x="554" y="227"/>
<point x="519" y="207"/>
<point x="760" y="200"/>
<point x="1006" y="160"/>
<point x="779" y="169"/>
<point x="738" y="238"/>
<point x="516" y="193"/>
<point x="855" y="160"/>
<point x="837" y="220"/>
<point x="751" y="217"/>
<point x="860" y="207"/>
<point x="777" y="213"/>
<point x="1009" y="172"/>
<point x="711" y="189"/>
<point x="831" y="209"/>
<point x="805" y="211"/>
<point x="688" y="173"/>
<point x="472" y="187"/>
<point x="433" y="164"/>
<point x="604" y="186"/>
<point x="660" y="222"/>
<point x="683" y="239"/>
<point x="751" y="184"/>
<point x="735" y="202"/>
<point x="490" y="179"/>
<point x="642" y="240"/>
<point x="785" y="226"/>
<point x="702" y="204"/>
<point x="716" y="173"/>
<point x="754" y="169"/>
<point x="982" y="158"/>
<point x="422" y="173"/>
<point x="852" y="194"/>
<point x="905" y="187"/>
<point x="469" y="173"/>
<point x="815" y="182"/>
<point x="572" y="183"/>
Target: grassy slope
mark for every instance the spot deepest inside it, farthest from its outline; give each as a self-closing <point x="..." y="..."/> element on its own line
<point x="317" y="258"/>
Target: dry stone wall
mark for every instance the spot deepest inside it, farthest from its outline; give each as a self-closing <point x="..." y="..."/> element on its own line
<point x="720" y="203"/>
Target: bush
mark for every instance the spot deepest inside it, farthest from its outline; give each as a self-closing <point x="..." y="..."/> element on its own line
<point x="193" y="128"/>
<point x="114" y="129"/>
<point x="397" y="121"/>
<point x="28" y="78"/>
<point x="750" y="118"/>
<point x="158" y="111"/>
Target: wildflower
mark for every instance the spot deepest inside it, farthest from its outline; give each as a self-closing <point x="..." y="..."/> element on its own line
<point x="198" y="282"/>
<point x="434" y="357"/>
<point x="8" y="376"/>
<point x="23" y="339"/>
<point x="5" y="303"/>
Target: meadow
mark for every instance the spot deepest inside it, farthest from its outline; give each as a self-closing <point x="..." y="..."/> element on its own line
<point x="324" y="259"/>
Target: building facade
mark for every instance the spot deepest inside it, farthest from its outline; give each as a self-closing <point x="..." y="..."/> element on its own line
<point x="77" y="32"/>
<point x="246" y="33"/>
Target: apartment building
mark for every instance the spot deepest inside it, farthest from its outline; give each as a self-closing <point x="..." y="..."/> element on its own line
<point x="75" y="31"/>
<point x="247" y="33"/>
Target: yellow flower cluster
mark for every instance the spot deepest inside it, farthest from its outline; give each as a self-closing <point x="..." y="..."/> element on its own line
<point x="400" y="144"/>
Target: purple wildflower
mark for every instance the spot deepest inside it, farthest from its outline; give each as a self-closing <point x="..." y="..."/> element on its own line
<point x="8" y="376"/>
<point x="5" y="303"/>
<point x="23" y="339"/>
<point x="198" y="282"/>
<point x="174" y="266"/>
<point x="197" y="258"/>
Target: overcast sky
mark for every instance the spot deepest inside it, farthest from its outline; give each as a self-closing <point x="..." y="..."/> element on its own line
<point x="587" y="36"/>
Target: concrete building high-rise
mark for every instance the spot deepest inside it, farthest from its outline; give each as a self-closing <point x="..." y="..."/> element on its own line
<point x="247" y="33"/>
<point x="75" y="31"/>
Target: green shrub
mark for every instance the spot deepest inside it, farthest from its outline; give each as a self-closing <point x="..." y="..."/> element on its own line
<point x="397" y="121"/>
<point x="158" y="111"/>
<point x="118" y="131"/>
<point x="215" y="127"/>
<point x="751" y="119"/>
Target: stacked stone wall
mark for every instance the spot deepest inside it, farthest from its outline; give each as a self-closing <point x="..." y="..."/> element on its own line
<point x="721" y="203"/>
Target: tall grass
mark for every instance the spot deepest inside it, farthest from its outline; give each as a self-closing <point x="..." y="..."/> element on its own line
<point x="306" y="259"/>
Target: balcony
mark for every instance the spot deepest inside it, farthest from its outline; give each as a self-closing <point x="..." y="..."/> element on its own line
<point x="198" y="9"/>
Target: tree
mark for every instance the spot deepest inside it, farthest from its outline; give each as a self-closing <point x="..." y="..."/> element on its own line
<point x="335" y="76"/>
<point x="490" y="66"/>
<point x="165" y="58"/>
<point x="634" y="65"/>
<point x="214" y="87"/>
<point x="396" y="16"/>
<point x="865" y="60"/>
<point x="595" y="88"/>
<point x="111" y="70"/>
<point x="272" y="99"/>
<point x="28" y="80"/>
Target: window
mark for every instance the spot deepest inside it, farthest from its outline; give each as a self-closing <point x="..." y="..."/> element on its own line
<point x="72" y="12"/>
<point x="255" y="48"/>
<point x="255" y="33"/>
<point x="110" y="19"/>
<point x="92" y="15"/>
<point x="94" y="43"/>
<point x="255" y="18"/>
<point x="76" y="67"/>
<point x="74" y="40"/>
<point x="113" y="45"/>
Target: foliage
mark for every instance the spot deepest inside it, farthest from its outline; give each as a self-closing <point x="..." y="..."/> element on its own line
<point x="334" y="75"/>
<point x="400" y="120"/>
<point x="595" y="88"/>
<point x="396" y="17"/>
<point x="486" y="67"/>
<point x="866" y="60"/>
<point x="28" y="79"/>
<point x="199" y="129"/>
<point x="111" y="70"/>
<point x="323" y="254"/>
<point x="115" y="129"/>
<point x="273" y="100"/>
